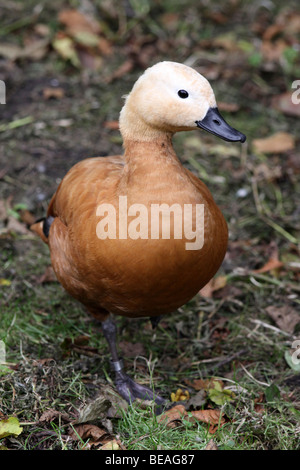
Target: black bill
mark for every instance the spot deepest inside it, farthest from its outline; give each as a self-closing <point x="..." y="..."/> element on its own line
<point x="214" y="123"/>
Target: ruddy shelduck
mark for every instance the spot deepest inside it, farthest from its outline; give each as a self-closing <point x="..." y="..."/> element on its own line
<point x="120" y="229"/>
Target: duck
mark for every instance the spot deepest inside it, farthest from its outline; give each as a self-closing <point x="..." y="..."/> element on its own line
<point x="138" y="234"/>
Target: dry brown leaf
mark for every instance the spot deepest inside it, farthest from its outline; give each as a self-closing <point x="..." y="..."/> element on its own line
<point x="272" y="263"/>
<point x="228" y="107"/>
<point x="201" y="384"/>
<point x="273" y="259"/>
<point x="112" y="125"/>
<point x="51" y="92"/>
<point x="286" y="318"/>
<point x="48" y="276"/>
<point x="211" y="445"/>
<point x="124" y="68"/>
<point x="216" y="283"/>
<point x="15" y="226"/>
<point x="27" y="217"/>
<point x="50" y="415"/>
<point x="90" y="432"/>
<point x="258" y="404"/>
<point x="272" y="31"/>
<point x="132" y="349"/>
<point x="78" y="22"/>
<point x="36" y="50"/>
<point x="285" y="104"/>
<point x="277" y="143"/>
<point x="214" y="418"/>
<point x="173" y="416"/>
<point x="273" y="51"/>
<point x="114" y="444"/>
<point x="267" y="172"/>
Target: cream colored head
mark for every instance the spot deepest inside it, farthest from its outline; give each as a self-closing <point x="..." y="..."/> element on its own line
<point x="157" y="105"/>
<point x="154" y="103"/>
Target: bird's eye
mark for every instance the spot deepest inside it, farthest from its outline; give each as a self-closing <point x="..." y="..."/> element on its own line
<point x="183" y="94"/>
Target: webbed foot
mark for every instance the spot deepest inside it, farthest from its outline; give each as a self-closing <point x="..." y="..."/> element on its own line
<point x="130" y="390"/>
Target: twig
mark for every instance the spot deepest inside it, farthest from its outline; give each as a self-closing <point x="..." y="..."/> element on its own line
<point x="229" y="358"/>
<point x="271" y="327"/>
<point x="251" y="377"/>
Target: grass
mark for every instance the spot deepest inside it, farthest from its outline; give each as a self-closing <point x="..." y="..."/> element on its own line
<point x="38" y="318"/>
<point x="229" y="336"/>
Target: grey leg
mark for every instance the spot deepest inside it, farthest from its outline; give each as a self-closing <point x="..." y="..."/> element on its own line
<point x="126" y="387"/>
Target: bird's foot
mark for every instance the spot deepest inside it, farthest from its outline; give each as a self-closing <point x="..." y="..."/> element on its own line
<point x="130" y="390"/>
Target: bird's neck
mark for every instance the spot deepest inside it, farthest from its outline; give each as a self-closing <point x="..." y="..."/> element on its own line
<point x="152" y="168"/>
<point x="158" y="152"/>
<point x="134" y="128"/>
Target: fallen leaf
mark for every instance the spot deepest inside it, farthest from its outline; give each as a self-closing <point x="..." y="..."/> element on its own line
<point x="90" y="432"/>
<point x="200" y="384"/>
<point x="13" y="225"/>
<point x="180" y="395"/>
<point x="78" y="345"/>
<point x="112" y="125"/>
<point x="273" y="259"/>
<point x="258" y="404"/>
<point x="42" y="29"/>
<point x="214" y="418"/>
<point x="277" y="143"/>
<point x="27" y="217"/>
<point x="216" y="283"/>
<point x="211" y="445"/>
<point x="75" y="21"/>
<point x="272" y="392"/>
<point x="48" y="276"/>
<point x="219" y="395"/>
<point x="34" y="51"/>
<point x="173" y="416"/>
<point x="5" y="282"/>
<point x="108" y="404"/>
<point x="111" y="445"/>
<point x="271" y="31"/>
<point x="228" y="107"/>
<point x="272" y="51"/>
<point x="10" y="427"/>
<point x="272" y="263"/>
<point x="284" y="103"/>
<point x="50" y="415"/>
<point x="263" y="171"/>
<point x="65" y="47"/>
<point x="286" y="318"/>
<point x="196" y="401"/>
<point x="53" y="92"/>
<point x="132" y="349"/>
<point x="81" y="41"/>
<point x="124" y="69"/>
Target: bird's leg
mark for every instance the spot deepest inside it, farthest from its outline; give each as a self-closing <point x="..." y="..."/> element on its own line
<point x="155" y="321"/>
<point x="126" y="387"/>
